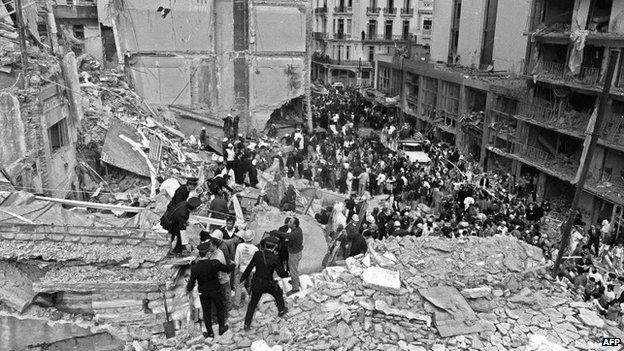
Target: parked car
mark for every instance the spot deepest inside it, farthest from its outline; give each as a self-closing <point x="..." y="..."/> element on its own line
<point x="414" y="150"/>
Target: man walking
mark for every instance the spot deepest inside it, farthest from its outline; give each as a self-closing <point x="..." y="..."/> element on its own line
<point x="205" y="272"/>
<point x="178" y="217"/>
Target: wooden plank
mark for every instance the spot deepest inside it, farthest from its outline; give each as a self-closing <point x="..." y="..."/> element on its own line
<point x="94" y="205"/>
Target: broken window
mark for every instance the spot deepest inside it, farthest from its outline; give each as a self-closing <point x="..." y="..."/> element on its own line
<point x="411" y="84"/>
<point x="555" y="15"/>
<point x="599" y="15"/>
<point x="384" y="79"/>
<point x="450" y="103"/>
<point x="395" y="88"/>
<point x="406" y="30"/>
<point x="503" y="124"/>
<point x="430" y="95"/>
<point x="348" y="53"/>
<point x="372" y="29"/>
<point x="371" y="53"/>
<point x="58" y="135"/>
<point x="613" y="130"/>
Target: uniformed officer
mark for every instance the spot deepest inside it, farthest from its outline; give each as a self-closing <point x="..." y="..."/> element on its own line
<point x="204" y="272"/>
<point x="265" y="261"/>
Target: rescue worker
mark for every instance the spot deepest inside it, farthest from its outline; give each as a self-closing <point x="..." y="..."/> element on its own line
<point x="205" y="271"/>
<point x="179" y="219"/>
<point x="266" y="262"/>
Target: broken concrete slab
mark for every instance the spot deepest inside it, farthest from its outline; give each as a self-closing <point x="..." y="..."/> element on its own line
<point x="452" y="315"/>
<point x="382" y="279"/>
<point x="382" y="306"/>
<point x="16" y="290"/>
<point x="475" y="293"/>
<point x="590" y="318"/>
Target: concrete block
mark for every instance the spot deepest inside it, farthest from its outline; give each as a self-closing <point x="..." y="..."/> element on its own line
<point x="475" y="293"/>
<point x="72" y="238"/>
<point x="87" y="239"/>
<point x="102" y="239"/>
<point x="382" y="279"/>
<point x="56" y="237"/>
<point x="116" y="241"/>
<point x="133" y="241"/>
<point x="22" y="236"/>
<point x="37" y="237"/>
<point x="8" y="235"/>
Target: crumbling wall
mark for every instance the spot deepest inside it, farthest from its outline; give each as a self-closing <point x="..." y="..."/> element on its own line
<point x="162" y="80"/>
<point x="12" y="136"/>
<point x="471" y="32"/>
<point x="441" y="31"/>
<point x="509" y="48"/>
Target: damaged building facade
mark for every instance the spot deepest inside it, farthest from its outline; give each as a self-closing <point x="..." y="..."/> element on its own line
<point x="528" y="112"/>
<point x="215" y="57"/>
<point x="38" y="134"/>
<point x="349" y="35"/>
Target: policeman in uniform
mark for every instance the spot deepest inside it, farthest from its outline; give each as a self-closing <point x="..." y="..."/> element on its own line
<point x="204" y="272"/>
<point x="266" y="262"/>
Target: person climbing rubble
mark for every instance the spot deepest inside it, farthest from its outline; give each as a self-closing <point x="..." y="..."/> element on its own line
<point x="265" y="262"/>
<point x="288" y="201"/>
<point x="176" y="220"/>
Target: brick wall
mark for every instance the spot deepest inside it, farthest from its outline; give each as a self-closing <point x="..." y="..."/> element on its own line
<point x="85" y="235"/>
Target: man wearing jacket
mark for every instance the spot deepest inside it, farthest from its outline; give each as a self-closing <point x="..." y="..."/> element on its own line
<point x="204" y="272"/>
<point x="179" y="219"/>
<point x="266" y="262"/>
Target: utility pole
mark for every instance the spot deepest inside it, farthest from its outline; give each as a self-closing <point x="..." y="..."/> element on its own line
<point x="308" y="60"/>
<point x="586" y="159"/>
<point x="22" y="35"/>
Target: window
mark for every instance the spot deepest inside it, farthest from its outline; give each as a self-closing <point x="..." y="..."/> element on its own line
<point x="349" y="21"/>
<point x="388" y="30"/>
<point x="339" y="53"/>
<point x="350" y="3"/>
<point x="384" y="79"/>
<point x="372" y="29"/>
<point x="58" y="135"/>
<point x="390" y="4"/>
<point x="405" y="30"/>
<point x="79" y="32"/>
<point x="373" y="3"/>
<point x="427" y="24"/>
<point x="452" y="55"/>
<point x="430" y="97"/>
<point x="450" y="103"/>
<point x="406" y="4"/>
<point x="334" y="26"/>
<point x="371" y="53"/>
<point x="489" y="27"/>
<point x="348" y="53"/>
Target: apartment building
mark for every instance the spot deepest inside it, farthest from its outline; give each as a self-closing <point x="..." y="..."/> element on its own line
<point x="348" y="35"/>
<point x="532" y="125"/>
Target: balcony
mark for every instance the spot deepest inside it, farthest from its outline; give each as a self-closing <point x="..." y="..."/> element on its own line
<point x="426" y="33"/>
<point x="426" y="6"/>
<point x="560" y="166"/>
<point x="319" y="35"/>
<point x="386" y="37"/>
<point x="75" y="9"/>
<point x="373" y="11"/>
<point x="407" y="12"/>
<point x="390" y="11"/>
<point x="321" y="10"/>
<point x="351" y="63"/>
<point x="343" y="10"/>
<point x="552" y="116"/>
<point x="342" y="36"/>
<point x="560" y="72"/>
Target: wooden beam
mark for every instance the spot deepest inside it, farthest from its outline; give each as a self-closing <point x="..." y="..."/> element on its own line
<point x="94" y="205"/>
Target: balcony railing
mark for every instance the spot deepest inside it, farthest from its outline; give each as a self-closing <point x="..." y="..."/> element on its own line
<point x="343" y="9"/>
<point x="613" y="131"/>
<point x="562" y="165"/>
<point x="373" y="11"/>
<point x="426" y="32"/>
<point x="319" y="35"/>
<point x="560" y="71"/>
<point x="390" y="11"/>
<point x="76" y="2"/>
<point x="342" y="36"/>
<point x="321" y="10"/>
<point x="551" y="115"/>
<point x="361" y="63"/>
<point x="407" y="12"/>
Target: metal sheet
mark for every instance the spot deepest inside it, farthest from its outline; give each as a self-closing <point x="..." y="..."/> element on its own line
<point x="453" y="315"/>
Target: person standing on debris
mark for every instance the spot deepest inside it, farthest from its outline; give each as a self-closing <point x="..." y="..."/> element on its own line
<point x="229" y="230"/>
<point x="182" y="192"/>
<point x="294" y="243"/>
<point x="230" y="156"/>
<point x="266" y="263"/>
<point x="205" y="272"/>
<point x="243" y="256"/>
<point x="288" y="201"/>
<point x="203" y="139"/>
<point x="220" y="254"/>
<point x="227" y="126"/>
<point x="178" y="218"/>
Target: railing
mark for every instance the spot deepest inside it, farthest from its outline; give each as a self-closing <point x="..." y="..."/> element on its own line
<point x="551" y="115"/>
<point x="76" y="2"/>
<point x="390" y="11"/>
<point x="560" y="71"/>
<point x="343" y="9"/>
<point x="371" y="37"/>
<point x="563" y="165"/>
<point x="320" y="10"/>
<point x="373" y="11"/>
<point x="342" y="36"/>
<point x="407" y="12"/>
<point x="361" y="63"/>
<point x="319" y="35"/>
<point x="426" y="32"/>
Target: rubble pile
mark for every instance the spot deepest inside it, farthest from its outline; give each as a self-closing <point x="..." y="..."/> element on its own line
<point x="265" y="218"/>
<point x="504" y="303"/>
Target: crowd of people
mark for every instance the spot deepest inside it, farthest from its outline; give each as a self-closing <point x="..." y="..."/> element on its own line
<point x="351" y="151"/>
